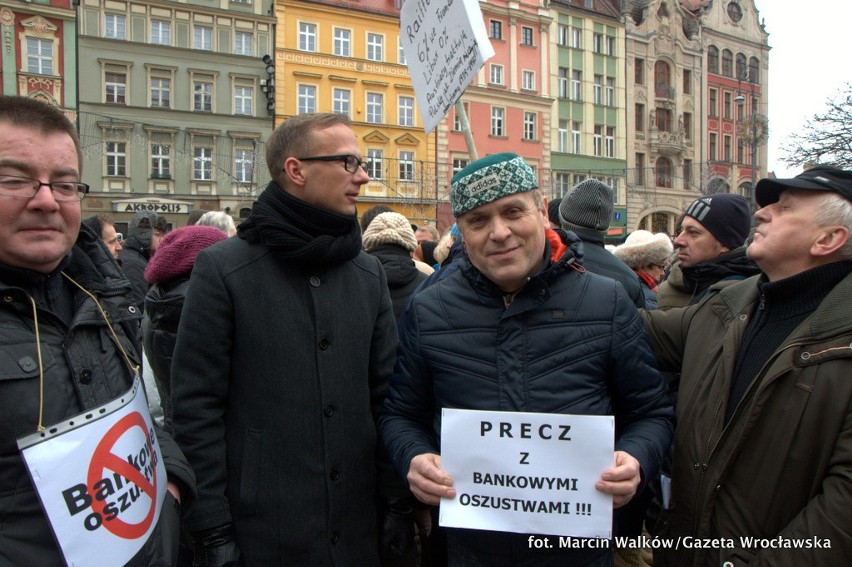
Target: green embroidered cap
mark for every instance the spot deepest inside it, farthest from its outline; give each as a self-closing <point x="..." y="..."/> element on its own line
<point x="489" y="179"/>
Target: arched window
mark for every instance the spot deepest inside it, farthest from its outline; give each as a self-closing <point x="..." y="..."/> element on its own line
<point x="741" y="66"/>
<point x="754" y="70"/>
<point x="713" y="59"/>
<point x="663" y="172"/>
<point x="727" y="63"/>
<point x="717" y="185"/>
<point x="663" y="80"/>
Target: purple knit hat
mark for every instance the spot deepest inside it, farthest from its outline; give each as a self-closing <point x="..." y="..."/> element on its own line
<point x="177" y="251"/>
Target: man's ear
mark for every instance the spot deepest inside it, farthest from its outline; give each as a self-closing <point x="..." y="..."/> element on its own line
<point x="293" y="170"/>
<point x="830" y="240"/>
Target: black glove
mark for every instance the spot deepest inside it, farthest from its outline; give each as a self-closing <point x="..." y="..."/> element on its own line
<point x="215" y="547"/>
<point x="397" y="531"/>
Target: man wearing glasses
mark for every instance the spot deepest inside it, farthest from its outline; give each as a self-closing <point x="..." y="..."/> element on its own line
<point x="286" y="342"/>
<point x="68" y="330"/>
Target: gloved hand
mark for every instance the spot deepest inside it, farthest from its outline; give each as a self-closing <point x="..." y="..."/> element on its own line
<point x="215" y="547"/>
<point x="396" y="537"/>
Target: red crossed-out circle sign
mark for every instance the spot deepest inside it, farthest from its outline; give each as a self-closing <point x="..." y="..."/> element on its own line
<point x="103" y="459"/>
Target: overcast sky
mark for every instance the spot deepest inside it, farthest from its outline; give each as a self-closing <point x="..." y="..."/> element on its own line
<point x="808" y="64"/>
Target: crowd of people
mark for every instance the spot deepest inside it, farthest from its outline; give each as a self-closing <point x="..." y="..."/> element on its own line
<point x="303" y="361"/>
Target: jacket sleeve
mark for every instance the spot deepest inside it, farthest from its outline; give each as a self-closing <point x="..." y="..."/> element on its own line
<point x="667" y="330"/>
<point x="644" y="416"/>
<point x="200" y="380"/>
<point x="406" y="423"/>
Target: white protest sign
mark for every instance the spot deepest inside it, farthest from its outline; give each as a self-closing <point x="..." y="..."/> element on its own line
<point x="445" y="44"/>
<point x="101" y="480"/>
<point x="527" y="472"/>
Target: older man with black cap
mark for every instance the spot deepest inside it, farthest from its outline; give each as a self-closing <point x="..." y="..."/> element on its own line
<point x="520" y="326"/>
<point x="763" y="444"/>
<point x="710" y="249"/>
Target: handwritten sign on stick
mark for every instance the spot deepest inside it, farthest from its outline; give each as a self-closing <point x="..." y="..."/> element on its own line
<point x="445" y="45"/>
<point x="527" y="472"/>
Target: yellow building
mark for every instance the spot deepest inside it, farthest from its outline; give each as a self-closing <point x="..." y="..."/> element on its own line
<point x="332" y="57"/>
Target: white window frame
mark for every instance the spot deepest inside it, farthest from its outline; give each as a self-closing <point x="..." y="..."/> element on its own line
<point x="400" y="52"/>
<point x="375" y="47"/>
<point x="597" y="90"/>
<point x="341" y="104"/>
<point x="308" y="37"/>
<point x="563" y="35"/>
<point x="115" y="158"/>
<point x="244" y="159"/>
<point x="375" y="108"/>
<point x="161" y="160"/>
<point x="576" y="85"/>
<point x="597" y="42"/>
<point x="597" y="140"/>
<point x="243" y="98"/>
<point x="374" y="163"/>
<point x="528" y="80"/>
<point x="39" y="55"/>
<point x="495" y="74"/>
<point x="406" y="110"/>
<point x="202" y="162"/>
<point x="342" y="42"/>
<point x="527" y="36"/>
<point x="562" y="137"/>
<point x="609" y="142"/>
<point x="576" y="137"/>
<point x="159" y="89"/>
<point x="204" y="95"/>
<point x="406" y="166"/>
<point x="610" y="91"/>
<point x="243" y="43"/>
<point x="498" y="121"/>
<point x="161" y="32"/>
<point x="530" y="126"/>
<point x="563" y="82"/>
<point x="115" y="92"/>
<point x="306" y="99"/>
<point x="576" y="38"/>
<point x="115" y="26"/>
<point x="202" y="37"/>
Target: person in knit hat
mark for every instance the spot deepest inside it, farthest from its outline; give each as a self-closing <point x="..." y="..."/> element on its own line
<point x="586" y="211"/>
<point x="168" y="273"/>
<point x="390" y="239"/>
<point x="520" y="325"/>
<point x="144" y="233"/>
<point x="647" y="254"/>
<point x="710" y="249"/>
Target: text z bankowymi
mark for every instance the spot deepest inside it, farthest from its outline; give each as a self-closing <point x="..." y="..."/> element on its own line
<point x="118" y="492"/>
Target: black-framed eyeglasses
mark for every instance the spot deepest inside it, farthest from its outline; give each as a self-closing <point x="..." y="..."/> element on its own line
<point x="350" y="162"/>
<point x="26" y="188"/>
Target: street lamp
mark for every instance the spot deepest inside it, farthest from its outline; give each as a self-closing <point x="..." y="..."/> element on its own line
<point x="754" y="128"/>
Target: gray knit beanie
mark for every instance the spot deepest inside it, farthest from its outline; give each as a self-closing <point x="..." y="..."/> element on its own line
<point x="587" y="205"/>
<point x="389" y="228"/>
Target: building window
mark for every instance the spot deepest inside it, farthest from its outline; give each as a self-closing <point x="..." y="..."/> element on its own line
<point x="610" y="91"/>
<point x="341" y="101"/>
<point x="375" y="108"/>
<point x="740" y="151"/>
<point x="576" y="85"/>
<point x="496" y="29"/>
<point x="528" y="80"/>
<point x="742" y="66"/>
<point x="563" y="184"/>
<point x="754" y="70"/>
<point x="714" y="102"/>
<point x="576" y="146"/>
<point x="115" y="26"/>
<point x="243" y="165"/>
<point x="639" y="117"/>
<point x="342" y="42"/>
<point x="597" y="43"/>
<point x="400" y="52"/>
<point x="687" y="126"/>
<point x="640" y="169"/>
<point x="406" y="166"/>
<point x="375" y="47"/>
<point x="161" y="160"/>
<point x="39" y="56"/>
<point x="202" y="37"/>
<point x="115" y="88"/>
<point x="609" y="142"/>
<point x="563" y="82"/>
<point x="563" y="35"/>
<point x="727" y="63"/>
<point x="598" y="89"/>
<point x="597" y="140"/>
<point x="576" y="38"/>
<point x="639" y="72"/>
<point x="243" y="43"/>
<point x="662" y="80"/>
<point x="713" y="59"/>
<point x="307" y="37"/>
<point x="498" y="125"/>
<point x="610" y="45"/>
<point x="726" y="105"/>
<point x="726" y="148"/>
<point x="161" y="32"/>
<point x="459" y="164"/>
<point x="457" y="126"/>
<point x="374" y="164"/>
<point x="663" y="172"/>
<point x="526" y="36"/>
<point x="116" y="159"/>
<point x="496" y="74"/>
<point x="243" y="97"/>
<point x="307" y="99"/>
<point x="202" y="163"/>
<point x="687" y="173"/>
<point x="406" y="111"/>
<point x="664" y="119"/>
<point x="202" y="93"/>
<point x="161" y="92"/>
<point x="687" y="81"/>
<point x="530" y="130"/>
<point x="563" y="136"/>
<point x="712" y="148"/>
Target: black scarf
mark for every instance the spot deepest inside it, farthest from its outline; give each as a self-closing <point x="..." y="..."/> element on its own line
<point x="300" y="232"/>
